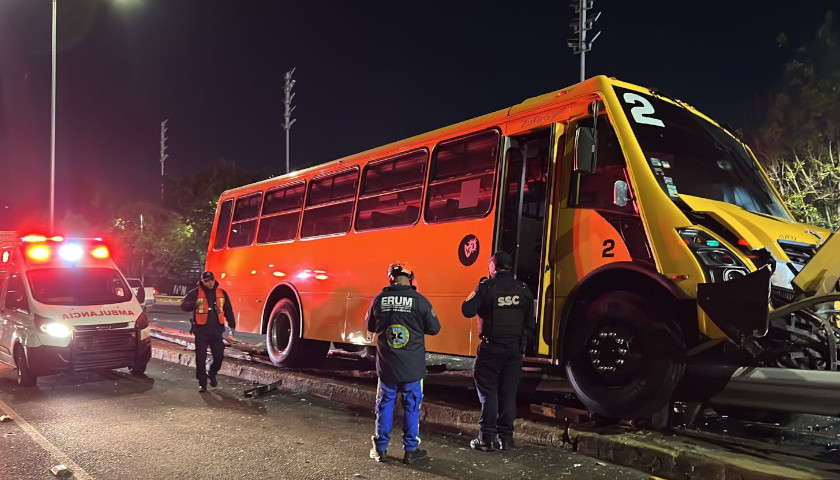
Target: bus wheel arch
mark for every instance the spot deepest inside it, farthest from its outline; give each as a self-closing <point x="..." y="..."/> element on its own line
<point x="284" y="336"/>
<point x="623" y="349"/>
<point x="25" y="378"/>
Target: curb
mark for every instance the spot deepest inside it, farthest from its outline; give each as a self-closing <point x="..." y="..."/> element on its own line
<point x="656" y="453"/>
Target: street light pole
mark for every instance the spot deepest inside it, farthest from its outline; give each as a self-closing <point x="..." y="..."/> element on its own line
<point x="287" y="103"/>
<point x="52" y="125"/>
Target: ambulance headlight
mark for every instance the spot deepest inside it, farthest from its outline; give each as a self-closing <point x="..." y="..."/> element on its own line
<point x="55" y="329"/>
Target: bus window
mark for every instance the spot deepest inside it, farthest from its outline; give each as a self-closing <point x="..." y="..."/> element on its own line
<point x="595" y="190"/>
<point x="391" y="192"/>
<point x="224" y="223"/>
<point x="243" y="230"/>
<point x="463" y="173"/>
<point x="281" y="213"/>
<point x="329" y="205"/>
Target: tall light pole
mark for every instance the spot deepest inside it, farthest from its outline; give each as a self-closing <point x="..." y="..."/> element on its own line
<point x="581" y="45"/>
<point x="52" y="125"/>
<point x="287" y="125"/>
<point x="163" y="155"/>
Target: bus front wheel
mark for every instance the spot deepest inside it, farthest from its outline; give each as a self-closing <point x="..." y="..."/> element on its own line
<point x="283" y="338"/>
<point x="625" y="356"/>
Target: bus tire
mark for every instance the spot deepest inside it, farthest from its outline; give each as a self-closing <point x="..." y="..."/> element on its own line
<point x="25" y="378"/>
<point x="626" y="356"/>
<point x="283" y="339"/>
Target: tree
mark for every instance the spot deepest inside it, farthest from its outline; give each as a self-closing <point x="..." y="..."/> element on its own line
<point x="799" y="136"/>
<point x="801" y="114"/>
<point x="149" y="240"/>
<point x="195" y="198"/>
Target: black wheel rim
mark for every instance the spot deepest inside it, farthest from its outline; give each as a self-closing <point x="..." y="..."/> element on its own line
<point x="281" y="333"/>
<point x="615" y="354"/>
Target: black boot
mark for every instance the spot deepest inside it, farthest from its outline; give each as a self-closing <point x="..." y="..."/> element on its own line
<point x="481" y="445"/>
<point x="411" y="457"/>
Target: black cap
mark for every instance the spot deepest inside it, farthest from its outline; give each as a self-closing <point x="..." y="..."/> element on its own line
<point x="208" y="275"/>
<point x="502" y="260"/>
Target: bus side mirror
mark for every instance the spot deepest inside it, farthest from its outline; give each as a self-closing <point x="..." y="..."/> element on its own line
<point x="621" y="193"/>
<point x="584" y="150"/>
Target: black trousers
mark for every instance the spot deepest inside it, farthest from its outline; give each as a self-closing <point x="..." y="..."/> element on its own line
<point x="496" y="371"/>
<point x="217" y="349"/>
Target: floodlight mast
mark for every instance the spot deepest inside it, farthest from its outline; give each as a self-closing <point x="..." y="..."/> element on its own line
<point x="289" y="121"/>
<point x="581" y="45"/>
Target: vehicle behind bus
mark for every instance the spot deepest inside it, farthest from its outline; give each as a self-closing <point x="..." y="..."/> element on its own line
<point x="650" y="236"/>
<point x="65" y="306"/>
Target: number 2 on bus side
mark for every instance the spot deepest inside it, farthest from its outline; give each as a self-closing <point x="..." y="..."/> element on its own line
<point x="609" y="246"/>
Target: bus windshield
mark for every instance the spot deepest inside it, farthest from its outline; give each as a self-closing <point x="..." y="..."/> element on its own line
<point x="689" y="155"/>
<point x="78" y="286"/>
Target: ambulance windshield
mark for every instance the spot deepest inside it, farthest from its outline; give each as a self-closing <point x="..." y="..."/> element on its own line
<point x="78" y="286"/>
<point x="690" y="155"/>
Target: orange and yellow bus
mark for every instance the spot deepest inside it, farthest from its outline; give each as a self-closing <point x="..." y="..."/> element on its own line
<point x="649" y="235"/>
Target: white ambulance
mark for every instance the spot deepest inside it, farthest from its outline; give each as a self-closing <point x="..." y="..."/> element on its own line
<point x="65" y="306"/>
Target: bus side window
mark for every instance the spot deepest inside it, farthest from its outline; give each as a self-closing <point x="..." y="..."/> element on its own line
<point x="391" y="191"/>
<point x="462" y="179"/>
<point x="281" y="213"/>
<point x="329" y="205"/>
<point x="595" y="190"/>
<point x="224" y="224"/>
<point x="243" y="230"/>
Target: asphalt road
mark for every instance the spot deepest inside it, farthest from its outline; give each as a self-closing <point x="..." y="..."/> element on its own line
<point x="111" y="425"/>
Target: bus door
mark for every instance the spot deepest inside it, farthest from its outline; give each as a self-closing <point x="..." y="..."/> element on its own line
<point x="525" y="201"/>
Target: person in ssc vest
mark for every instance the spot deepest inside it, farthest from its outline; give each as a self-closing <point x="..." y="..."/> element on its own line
<point x="401" y="318"/>
<point x="210" y="307"/>
<point x="505" y="307"/>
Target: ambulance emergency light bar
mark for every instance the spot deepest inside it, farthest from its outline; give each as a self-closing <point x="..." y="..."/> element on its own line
<point x="38" y="248"/>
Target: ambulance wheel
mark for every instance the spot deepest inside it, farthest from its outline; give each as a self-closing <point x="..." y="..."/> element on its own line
<point x="625" y="356"/>
<point x="24" y="376"/>
<point x="138" y="370"/>
<point x="283" y="339"/>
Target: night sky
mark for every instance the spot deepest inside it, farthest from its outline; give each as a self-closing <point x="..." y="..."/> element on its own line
<point x="367" y="73"/>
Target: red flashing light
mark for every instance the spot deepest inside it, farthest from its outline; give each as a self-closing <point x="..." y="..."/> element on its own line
<point x="40" y="253"/>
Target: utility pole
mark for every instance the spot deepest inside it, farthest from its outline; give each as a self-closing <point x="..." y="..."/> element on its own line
<point x="163" y="155"/>
<point x="581" y="45"/>
<point x="287" y="125"/>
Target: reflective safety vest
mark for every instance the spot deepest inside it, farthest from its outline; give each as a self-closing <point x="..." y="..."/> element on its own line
<point x="202" y="310"/>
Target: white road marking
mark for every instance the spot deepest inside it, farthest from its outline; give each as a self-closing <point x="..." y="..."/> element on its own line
<point x="78" y="472"/>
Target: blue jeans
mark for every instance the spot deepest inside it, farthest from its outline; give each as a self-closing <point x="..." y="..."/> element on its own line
<point x="386" y="397"/>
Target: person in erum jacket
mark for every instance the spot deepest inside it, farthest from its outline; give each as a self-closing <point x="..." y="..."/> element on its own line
<point x="400" y="317"/>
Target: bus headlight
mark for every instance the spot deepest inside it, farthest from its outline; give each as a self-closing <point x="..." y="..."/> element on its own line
<point x="55" y="329"/>
<point x="719" y="263"/>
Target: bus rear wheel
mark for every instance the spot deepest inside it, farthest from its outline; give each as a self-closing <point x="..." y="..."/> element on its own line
<point x="24" y="375"/>
<point x="283" y="339"/>
<point x="625" y="356"/>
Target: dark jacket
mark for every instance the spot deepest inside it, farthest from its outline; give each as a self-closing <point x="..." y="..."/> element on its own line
<point x="213" y="326"/>
<point x="500" y="296"/>
<point x="401" y="318"/>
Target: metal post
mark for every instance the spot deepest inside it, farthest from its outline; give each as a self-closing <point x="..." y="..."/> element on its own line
<point x="52" y="124"/>
<point x="163" y="155"/>
<point x="580" y="45"/>
<point x="287" y="125"/>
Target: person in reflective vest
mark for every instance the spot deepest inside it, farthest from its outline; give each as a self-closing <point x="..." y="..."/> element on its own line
<point x="210" y="307"/>
<point x="401" y="318"/>
<point x="505" y="307"/>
